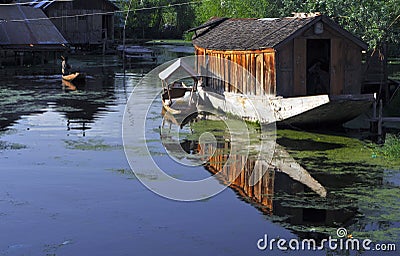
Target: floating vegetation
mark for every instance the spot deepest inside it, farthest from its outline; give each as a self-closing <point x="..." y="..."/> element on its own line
<point x="332" y="149"/>
<point x="10" y="146"/>
<point x="124" y="172"/>
<point x="379" y="206"/>
<point x="361" y="196"/>
<point x="221" y="131"/>
<point x="353" y="172"/>
<point x="91" y="144"/>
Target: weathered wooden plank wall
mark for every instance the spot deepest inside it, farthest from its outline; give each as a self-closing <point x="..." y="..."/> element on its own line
<point x="285" y="67"/>
<point x="300" y="67"/>
<point x="353" y="69"/>
<point x="337" y="66"/>
<point x="79" y="25"/>
<point x="345" y="70"/>
<point x="283" y="71"/>
<point x="253" y="74"/>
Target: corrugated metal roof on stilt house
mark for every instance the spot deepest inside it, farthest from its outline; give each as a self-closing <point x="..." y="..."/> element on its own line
<point x="26" y="27"/>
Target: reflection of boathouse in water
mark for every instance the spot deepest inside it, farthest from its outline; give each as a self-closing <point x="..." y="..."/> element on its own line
<point x="279" y="187"/>
<point x="275" y="193"/>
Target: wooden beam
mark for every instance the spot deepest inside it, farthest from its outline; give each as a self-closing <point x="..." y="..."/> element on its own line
<point x="300" y="67"/>
<point x="337" y="67"/>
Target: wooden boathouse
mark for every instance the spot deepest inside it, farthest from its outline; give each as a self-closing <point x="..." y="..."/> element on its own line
<point x="289" y="57"/>
<point x="304" y="69"/>
<point x="82" y="22"/>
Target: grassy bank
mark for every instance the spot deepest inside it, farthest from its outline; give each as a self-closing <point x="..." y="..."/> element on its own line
<point x="391" y="149"/>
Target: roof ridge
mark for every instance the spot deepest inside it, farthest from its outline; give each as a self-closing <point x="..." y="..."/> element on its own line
<point x="255" y="34"/>
<point x="273" y="32"/>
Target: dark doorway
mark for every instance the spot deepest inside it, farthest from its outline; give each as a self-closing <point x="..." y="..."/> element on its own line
<point x="318" y="65"/>
<point x="106" y="25"/>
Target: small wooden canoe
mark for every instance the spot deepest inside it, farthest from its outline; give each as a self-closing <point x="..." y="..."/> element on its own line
<point x="75" y="77"/>
<point x="68" y="85"/>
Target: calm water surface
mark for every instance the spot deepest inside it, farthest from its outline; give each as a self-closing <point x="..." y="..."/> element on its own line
<point x="66" y="187"/>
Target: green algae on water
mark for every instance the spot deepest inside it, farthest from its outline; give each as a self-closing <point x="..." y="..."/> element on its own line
<point x="91" y="144"/>
<point x="11" y="146"/>
<point x="355" y="174"/>
<point x="340" y="150"/>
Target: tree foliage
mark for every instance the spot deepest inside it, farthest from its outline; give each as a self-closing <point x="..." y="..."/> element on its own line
<point x="159" y="14"/>
<point x="374" y="21"/>
<point x="236" y="9"/>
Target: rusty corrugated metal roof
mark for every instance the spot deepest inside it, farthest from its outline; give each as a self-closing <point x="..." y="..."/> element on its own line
<point x="22" y="26"/>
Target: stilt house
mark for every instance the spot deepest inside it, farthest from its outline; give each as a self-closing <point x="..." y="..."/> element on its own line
<point x="27" y="36"/>
<point x="82" y="22"/>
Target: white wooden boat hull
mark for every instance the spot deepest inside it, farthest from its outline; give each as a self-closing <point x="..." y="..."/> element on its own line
<point x="305" y="110"/>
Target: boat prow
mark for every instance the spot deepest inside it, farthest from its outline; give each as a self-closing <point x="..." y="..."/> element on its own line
<point x="177" y="98"/>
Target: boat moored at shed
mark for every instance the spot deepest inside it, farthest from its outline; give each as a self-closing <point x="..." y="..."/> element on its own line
<point x="306" y="64"/>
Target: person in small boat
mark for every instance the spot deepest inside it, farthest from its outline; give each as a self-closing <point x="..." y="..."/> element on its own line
<point x="65" y="67"/>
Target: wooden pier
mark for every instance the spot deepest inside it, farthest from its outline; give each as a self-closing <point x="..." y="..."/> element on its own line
<point x="377" y="121"/>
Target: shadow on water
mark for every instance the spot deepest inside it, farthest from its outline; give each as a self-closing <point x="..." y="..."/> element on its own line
<point x="313" y="185"/>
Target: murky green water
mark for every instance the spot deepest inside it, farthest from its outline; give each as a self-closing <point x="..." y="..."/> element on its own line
<point x="66" y="187"/>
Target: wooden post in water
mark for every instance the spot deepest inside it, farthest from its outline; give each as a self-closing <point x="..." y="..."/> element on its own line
<point x="376" y="123"/>
<point x="21" y="58"/>
<point x="380" y="118"/>
<point x="105" y="42"/>
<point x="385" y="73"/>
<point x="374" y="110"/>
<point x="373" y="125"/>
<point x="124" y="37"/>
